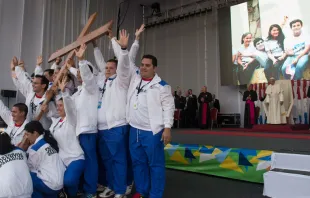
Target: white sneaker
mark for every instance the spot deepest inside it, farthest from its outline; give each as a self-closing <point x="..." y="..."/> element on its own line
<point x="120" y="196"/>
<point x="129" y="189"/>
<point x="107" y="193"/>
<point x="100" y="188"/>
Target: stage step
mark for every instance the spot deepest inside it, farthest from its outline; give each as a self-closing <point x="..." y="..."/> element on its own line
<point x="289" y="176"/>
<point x="286" y="185"/>
<point x="289" y="161"/>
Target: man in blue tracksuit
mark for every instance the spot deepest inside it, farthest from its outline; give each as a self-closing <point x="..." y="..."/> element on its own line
<point x="85" y="100"/>
<point x="112" y="124"/>
<point x="149" y="111"/>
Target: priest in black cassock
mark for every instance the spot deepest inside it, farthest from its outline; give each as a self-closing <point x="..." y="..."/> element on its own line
<point x="191" y="107"/>
<point x="204" y="99"/>
<point x="249" y="96"/>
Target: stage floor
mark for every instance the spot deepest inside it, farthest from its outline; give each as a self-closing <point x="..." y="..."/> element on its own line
<point x="275" y="141"/>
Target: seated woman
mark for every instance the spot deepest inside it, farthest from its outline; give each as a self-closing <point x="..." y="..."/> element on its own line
<point x="46" y="167"/>
<point x="246" y="64"/>
<point x="14" y="172"/>
<point x="63" y="130"/>
<point x="275" y="48"/>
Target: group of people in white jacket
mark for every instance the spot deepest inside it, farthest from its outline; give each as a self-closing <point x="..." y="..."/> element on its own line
<point x="111" y="131"/>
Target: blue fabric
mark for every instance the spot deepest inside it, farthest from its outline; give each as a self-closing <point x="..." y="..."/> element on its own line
<point x="40" y="190"/>
<point x="148" y="161"/>
<point x="38" y="145"/>
<point x="113" y="151"/>
<point x="163" y="83"/>
<point x="129" y="162"/>
<point x="88" y="144"/>
<point x="299" y="67"/>
<point x="102" y="177"/>
<point x="72" y="176"/>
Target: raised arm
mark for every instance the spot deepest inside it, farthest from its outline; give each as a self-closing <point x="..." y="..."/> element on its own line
<point x="135" y="46"/>
<point x="100" y="62"/>
<point x="5" y="113"/>
<point x="116" y="47"/>
<point x="56" y="63"/>
<point x="24" y="84"/>
<point x="68" y="103"/>
<point x="38" y="70"/>
<point x="89" y="82"/>
<point x="123" y="68"/>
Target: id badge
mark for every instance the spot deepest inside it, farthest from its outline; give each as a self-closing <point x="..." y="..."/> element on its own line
<point x="99" y="104"/>
<point x="135" y="105"/>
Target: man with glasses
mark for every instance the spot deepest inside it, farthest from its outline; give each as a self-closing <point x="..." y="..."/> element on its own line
<point x="34" y="92"/>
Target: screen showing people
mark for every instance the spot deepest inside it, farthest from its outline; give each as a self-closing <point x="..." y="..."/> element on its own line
<point x="270" y="38"/>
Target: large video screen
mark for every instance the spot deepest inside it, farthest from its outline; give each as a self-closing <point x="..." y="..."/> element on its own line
<point x="270" y="38"/>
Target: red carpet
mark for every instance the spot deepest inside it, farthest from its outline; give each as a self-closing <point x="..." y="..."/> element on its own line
<point x="268" y="128"/>
<point x="249" y="134"/>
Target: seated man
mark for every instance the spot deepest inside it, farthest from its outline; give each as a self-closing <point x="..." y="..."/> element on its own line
<point x="296" y="47"/>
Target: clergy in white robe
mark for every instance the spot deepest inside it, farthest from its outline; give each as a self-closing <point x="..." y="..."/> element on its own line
<point x="273" y="104"/>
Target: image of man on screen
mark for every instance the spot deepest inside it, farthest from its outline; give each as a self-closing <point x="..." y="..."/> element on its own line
<point x="261" y="56"/>
<point x="297" y="49"/>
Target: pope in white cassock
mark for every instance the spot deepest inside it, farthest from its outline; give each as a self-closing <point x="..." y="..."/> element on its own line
<point x="274" y="103"/>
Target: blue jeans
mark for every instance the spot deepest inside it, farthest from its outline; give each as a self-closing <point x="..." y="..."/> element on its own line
<point x="72" y="176"/>
<point x="299" y="67"/>
<point x="88" y="144"/>
<point x="273" y="70"/>
<point x="40" y="190"/>
<point x="148" y="161"/>
<point x="113" y="151"/>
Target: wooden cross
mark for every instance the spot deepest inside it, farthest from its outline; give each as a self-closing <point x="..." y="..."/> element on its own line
<point x="83" y="38"/>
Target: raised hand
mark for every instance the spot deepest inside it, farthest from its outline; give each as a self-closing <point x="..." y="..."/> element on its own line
<point x="63" y="83"/>
<point x="39" y="60"/>
<point x="80" y="53"/>
<point x="58" y="60"/>
<point x="69" y="63"/>
<point x="44" y="108"/>
<point x="139" y="31"/>
<point x="110" y="33"/>
<point x="94" y="42"/>
<point x="21" y="64"/>
<point x="14" y="63"/>
<point x="123" y="39"/>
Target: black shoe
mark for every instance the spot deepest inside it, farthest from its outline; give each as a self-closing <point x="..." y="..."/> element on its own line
<point x="62" y="194"/>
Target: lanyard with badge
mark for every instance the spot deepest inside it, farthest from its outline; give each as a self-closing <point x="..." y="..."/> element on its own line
<point x="103" y="90"/>
<point x="12" y="134"/>
<point x="61" y="123"/>
<point x="139" y="90"/>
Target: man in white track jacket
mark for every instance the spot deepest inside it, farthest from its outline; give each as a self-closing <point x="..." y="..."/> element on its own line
<point x="112" y="123"/>
<point x="150" y="109"/>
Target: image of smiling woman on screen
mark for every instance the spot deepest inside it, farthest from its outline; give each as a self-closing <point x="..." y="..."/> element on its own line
<point x="246" y="64"/>
<point x="275" y="49"/>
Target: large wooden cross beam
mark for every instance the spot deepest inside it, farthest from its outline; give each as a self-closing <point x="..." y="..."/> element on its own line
<point x="83" y="38"/>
